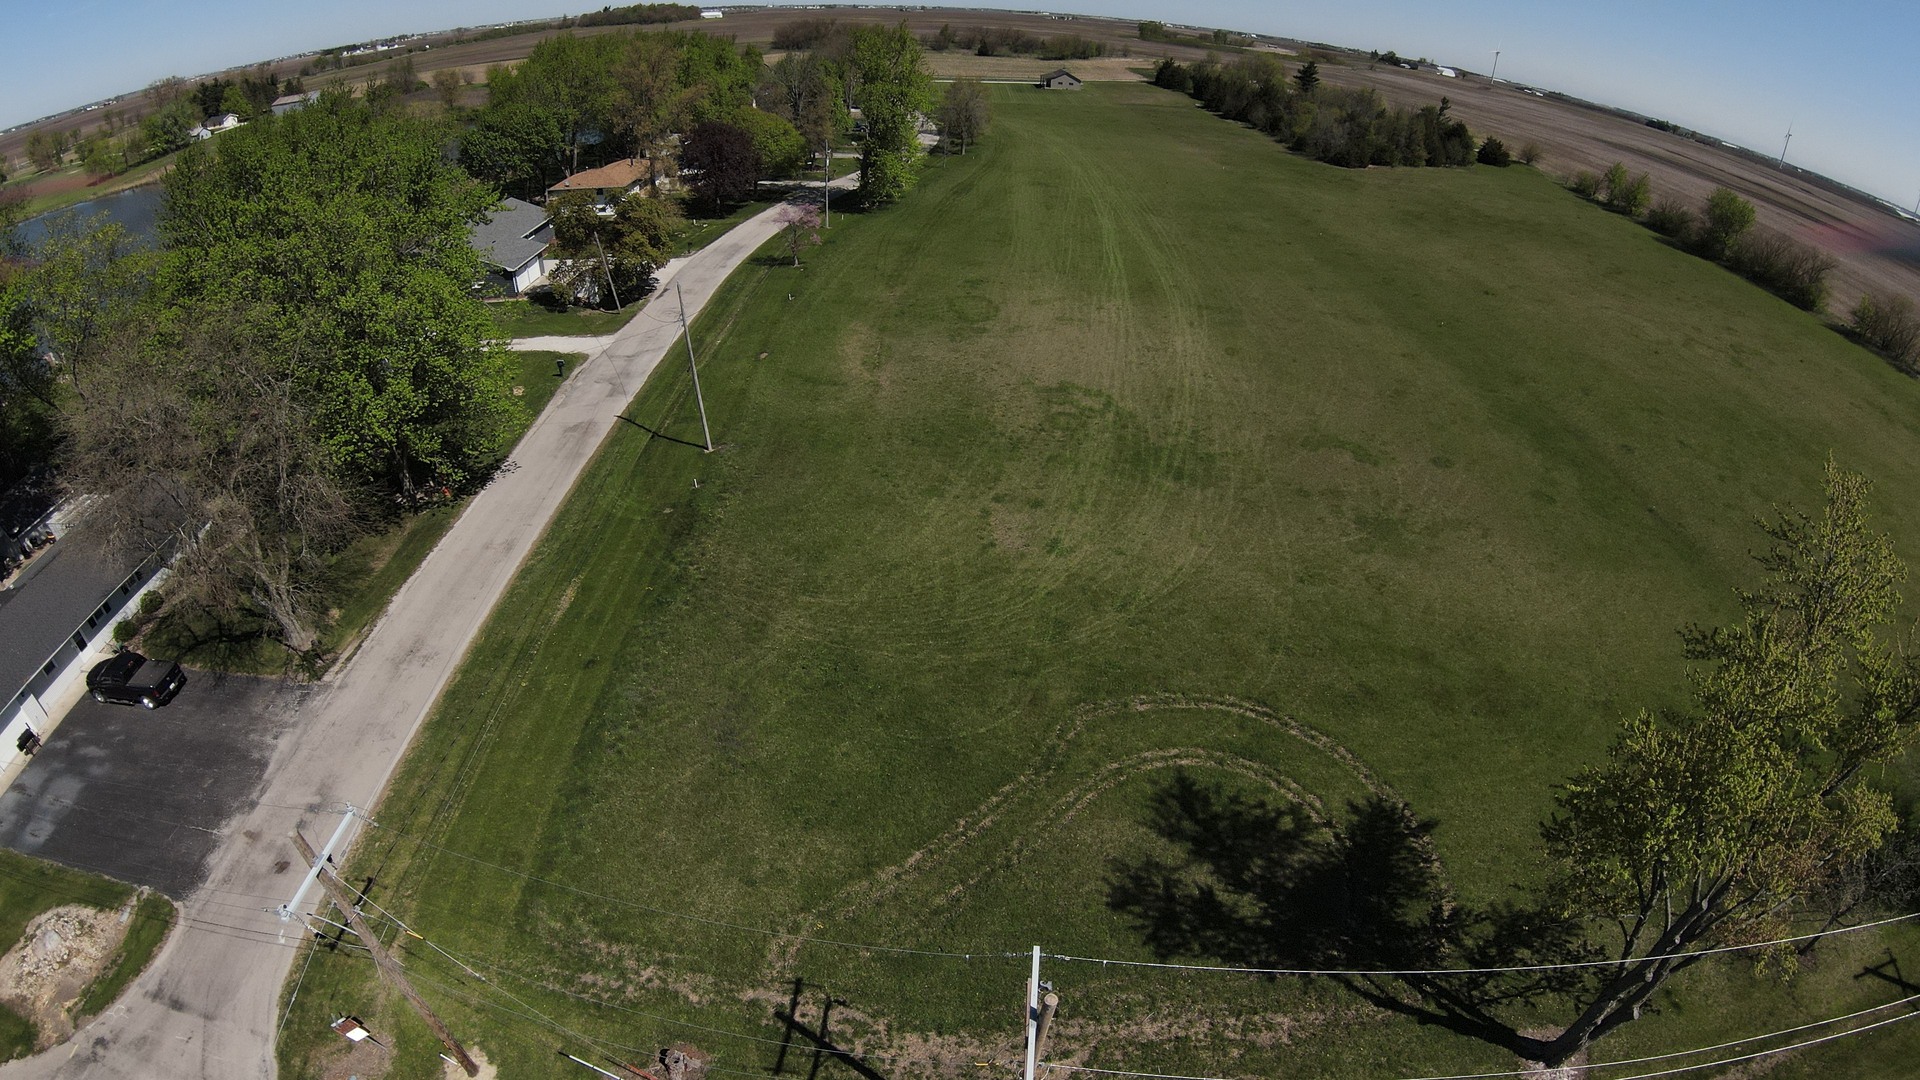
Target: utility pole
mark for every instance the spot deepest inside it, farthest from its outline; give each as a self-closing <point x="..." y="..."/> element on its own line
<point x="382" y="959"/>
<point x="1496" y="67"/>
<point x="1783" y="147"/>
<point x="1033" y="1015"/>
<point x="1049" y="1005"/>
<point x="826" y="190"/>
<point x="607" y="269"/>
<point x="314" y="865"/>
<point x="693" y="367"/>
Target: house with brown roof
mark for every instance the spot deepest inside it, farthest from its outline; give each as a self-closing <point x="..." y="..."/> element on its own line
<point x="608" y="184"/>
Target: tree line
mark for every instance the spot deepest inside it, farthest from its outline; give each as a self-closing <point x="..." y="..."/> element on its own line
<point x="1012" y="41"/>
<point x="1722" y="231"/>
<point x="170" y="109"/>
<point x="1353" y="128"/>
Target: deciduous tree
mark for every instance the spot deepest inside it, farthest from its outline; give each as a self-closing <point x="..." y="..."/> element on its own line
<point x="345" y="228"/>
<point x="964" y="113"/>
<point x="800" y="223"/>
<point x="599" y="255"/>
<point x="1717" y="824"/>
<point x="204" y="439"/>
<point x="88" y="277"/>
<point x="894" y="91"/>
<point x="448" y="83"/>
<point x="648" y="101"/>
<point x="723" y="163"/>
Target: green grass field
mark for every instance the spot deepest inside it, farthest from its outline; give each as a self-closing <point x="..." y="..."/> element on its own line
<point x="1128" y="446"/>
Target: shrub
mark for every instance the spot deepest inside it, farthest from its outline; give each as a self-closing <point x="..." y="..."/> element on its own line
<point x="124" y="631"/>
<point x="1782" y="265"/>
<point x="1531" y="154"/>
<point x="1728" y="218"/>
<point x="1614" y="182"/>
<point x="1669" y="217"/>
<point x="1494" y="152"/>
<point x="1586" y="185"/>
<point x="1629" y="197"/>
<point x="1887" y="323"/>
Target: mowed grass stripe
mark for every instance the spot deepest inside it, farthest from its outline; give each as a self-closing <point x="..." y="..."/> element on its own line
<point x="1127" y="404"/>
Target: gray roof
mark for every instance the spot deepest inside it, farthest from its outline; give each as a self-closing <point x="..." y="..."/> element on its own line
<point x="51" y="598"/>
<point x="288" y="102"/>
<point x="513" y="236"/>
<point x="1056" y="73"/>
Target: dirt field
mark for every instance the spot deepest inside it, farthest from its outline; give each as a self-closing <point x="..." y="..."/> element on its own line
<point x="1875" y="248"/>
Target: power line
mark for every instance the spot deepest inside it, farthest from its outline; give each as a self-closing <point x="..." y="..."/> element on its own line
<point x="1124" y="1072"/>
<point x="1516" y="969"/>
<point x="637" y="906"/>
<point x="1861" y="1030"/>
<point x="1109" y="962"/>
<point x="473" y="968"/>
<point x="1683" y="1053"/>
<point x="1776" y="1050"/>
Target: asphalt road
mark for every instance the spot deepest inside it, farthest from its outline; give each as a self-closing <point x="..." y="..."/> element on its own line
<point x="146" y="796"/>
<point x="207" y="1006"/>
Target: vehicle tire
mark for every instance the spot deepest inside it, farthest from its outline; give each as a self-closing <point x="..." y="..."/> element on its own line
<point x="99" y="697"/>
<point x="147" y="702"/>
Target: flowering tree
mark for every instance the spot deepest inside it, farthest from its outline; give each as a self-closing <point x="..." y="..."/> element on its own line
<point x="801" y="221"/>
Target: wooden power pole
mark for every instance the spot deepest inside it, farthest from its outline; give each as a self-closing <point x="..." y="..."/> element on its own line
<point x="382" y="959"/>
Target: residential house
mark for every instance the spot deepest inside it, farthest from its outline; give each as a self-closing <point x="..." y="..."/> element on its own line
<point x="1059" y="79"/>
<point x="56" y="616"/>
<point x="513" y="242"/>
<point x="608" y="184"/>
<point x="222" y="122"/>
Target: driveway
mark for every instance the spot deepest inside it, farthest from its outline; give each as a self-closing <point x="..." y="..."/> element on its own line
<point x="207" y="1006"/>
<point x="145" y="796"/>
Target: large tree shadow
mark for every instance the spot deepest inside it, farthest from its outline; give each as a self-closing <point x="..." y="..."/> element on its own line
<point x="1271" y="885"/>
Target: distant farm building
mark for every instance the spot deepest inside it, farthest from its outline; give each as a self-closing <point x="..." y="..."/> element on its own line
<point x="712" y="13"/>
<point x="513" y="242"/>
<point x="286" y="103"/>
<point x="1060" y="79"/>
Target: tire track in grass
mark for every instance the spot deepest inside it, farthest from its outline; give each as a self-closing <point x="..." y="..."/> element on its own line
<point x="1019" y="805"/>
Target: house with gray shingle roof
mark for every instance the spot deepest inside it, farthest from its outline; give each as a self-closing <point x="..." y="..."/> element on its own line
<point x="513" y="241"/>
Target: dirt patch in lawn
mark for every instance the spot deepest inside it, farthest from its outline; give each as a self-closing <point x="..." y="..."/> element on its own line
<point x="61" y="953"/>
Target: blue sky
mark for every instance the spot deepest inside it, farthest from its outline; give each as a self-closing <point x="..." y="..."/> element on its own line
<point x="1841" y="72"/>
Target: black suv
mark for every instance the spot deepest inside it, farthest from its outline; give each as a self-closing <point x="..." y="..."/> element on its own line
<point x="127" y="678"/>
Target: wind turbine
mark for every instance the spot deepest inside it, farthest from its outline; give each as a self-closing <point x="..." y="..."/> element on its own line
<point x="1496" y="67"/>
<point x="1783" y="147"/>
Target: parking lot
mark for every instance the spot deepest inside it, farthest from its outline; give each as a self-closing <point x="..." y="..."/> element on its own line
<point x="144" y="796"/>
